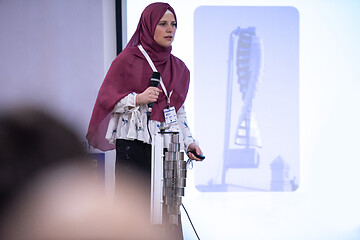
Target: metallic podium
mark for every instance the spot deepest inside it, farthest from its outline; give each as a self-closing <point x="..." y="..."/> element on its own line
<point x="168" y="178"/>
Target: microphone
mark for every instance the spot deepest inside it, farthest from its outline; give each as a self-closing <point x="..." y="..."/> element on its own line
<point x="154" y="82"/>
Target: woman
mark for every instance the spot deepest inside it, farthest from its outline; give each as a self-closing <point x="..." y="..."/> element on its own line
<point x="125" y="92"/>
<point x="119" y="117"/>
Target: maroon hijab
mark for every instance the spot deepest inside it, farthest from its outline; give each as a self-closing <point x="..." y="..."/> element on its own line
<point x="130" y="72"/>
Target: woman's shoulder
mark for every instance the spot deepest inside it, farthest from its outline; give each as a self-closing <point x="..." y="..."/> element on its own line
<point x="178" y="62"/>
<point x="128" y="55"/>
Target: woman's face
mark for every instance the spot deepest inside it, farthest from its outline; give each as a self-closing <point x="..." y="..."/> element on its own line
<point x="165" y="30"/>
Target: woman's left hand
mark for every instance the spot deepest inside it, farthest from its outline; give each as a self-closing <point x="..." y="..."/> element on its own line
<point x="195" y="148"/>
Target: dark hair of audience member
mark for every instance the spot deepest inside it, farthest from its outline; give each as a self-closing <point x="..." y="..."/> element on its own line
<point x="31" y="142"/>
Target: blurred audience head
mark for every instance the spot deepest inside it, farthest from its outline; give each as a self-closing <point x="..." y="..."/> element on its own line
<point x="49" y="189"/>
<point x="31" y="142"/>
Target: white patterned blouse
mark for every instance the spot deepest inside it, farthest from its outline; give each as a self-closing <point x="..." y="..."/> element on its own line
<point x="129" y="122"/>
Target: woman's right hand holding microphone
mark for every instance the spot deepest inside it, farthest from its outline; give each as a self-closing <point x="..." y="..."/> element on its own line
<point x="150" y="95"/>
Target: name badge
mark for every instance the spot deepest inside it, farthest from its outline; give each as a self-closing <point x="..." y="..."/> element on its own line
<point x="171" y="119"/>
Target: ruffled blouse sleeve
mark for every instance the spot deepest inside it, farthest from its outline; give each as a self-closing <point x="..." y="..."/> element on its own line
<point x="184" y="128"/>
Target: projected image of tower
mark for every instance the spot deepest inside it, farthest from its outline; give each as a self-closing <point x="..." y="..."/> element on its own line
<point x="242" y="139"/>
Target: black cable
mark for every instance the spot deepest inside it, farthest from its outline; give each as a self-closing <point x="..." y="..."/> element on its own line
<point x="190" y="221"/>
<point x="147" y="124"/>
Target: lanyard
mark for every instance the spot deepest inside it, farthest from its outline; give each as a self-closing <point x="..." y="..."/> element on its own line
<point x="146" y="55"/>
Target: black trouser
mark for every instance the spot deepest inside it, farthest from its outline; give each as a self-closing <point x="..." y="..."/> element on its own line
<point x="133" y="158"/>
<point x="133" y="163"/>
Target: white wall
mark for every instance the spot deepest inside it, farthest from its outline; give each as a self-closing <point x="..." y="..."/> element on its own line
<point x="55" y="54"/>
<point x="326" y="206"/>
